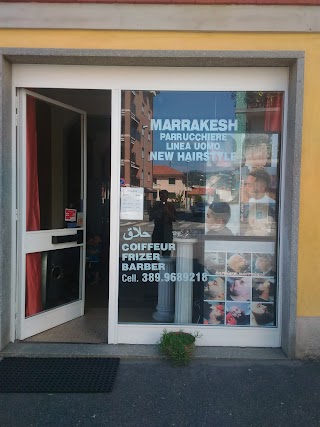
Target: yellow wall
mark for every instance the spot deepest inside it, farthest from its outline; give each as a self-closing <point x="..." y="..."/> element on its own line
<point x="309" y="233"/>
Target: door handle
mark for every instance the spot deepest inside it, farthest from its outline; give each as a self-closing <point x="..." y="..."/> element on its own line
<point x="69" y="238"/>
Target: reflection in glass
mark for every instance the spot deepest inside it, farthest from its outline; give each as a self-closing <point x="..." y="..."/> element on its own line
<point x="215" y="156"/>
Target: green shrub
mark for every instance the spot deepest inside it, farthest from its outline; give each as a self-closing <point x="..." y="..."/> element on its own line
<point x="177" y="346"/>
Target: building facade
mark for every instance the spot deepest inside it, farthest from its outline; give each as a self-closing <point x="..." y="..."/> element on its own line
<point x="90" y="108"/>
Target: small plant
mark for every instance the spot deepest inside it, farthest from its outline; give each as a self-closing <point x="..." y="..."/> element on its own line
<point x="178" y="346"/>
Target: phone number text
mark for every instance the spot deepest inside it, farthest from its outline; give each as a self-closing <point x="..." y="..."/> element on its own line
<point x="174" y="277"/>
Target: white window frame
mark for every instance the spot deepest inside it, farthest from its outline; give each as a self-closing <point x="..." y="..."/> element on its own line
<point x="157" y="78"/>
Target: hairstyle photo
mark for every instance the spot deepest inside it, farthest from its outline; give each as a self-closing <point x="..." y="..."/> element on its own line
<point x="263" y="289"/>
<point x="214" y="288"/>
<point x="237" y="314"/>
<point x="215" y="262"/>
<point x="223" y="186"/>
<point x="213" y="313"/>
<point x="239" y="288"/>
<point x="256" y="150"/>
<point x="262" y="314"/>
<point x="239" y="263"/>
<point x="263" y="264"/>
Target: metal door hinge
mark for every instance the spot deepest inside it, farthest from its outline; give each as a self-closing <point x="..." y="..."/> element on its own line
<point x="16" y="109"/>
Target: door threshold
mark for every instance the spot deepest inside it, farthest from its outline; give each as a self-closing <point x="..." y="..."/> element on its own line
<point x="133" y="351"/>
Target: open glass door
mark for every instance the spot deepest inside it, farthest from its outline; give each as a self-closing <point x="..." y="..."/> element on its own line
<point x="51" y="213"/>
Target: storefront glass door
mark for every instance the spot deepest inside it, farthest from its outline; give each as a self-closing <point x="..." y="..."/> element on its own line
<point x="51" y="212"/>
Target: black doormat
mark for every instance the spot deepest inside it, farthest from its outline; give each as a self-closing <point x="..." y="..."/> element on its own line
<point x="57" y="375"/>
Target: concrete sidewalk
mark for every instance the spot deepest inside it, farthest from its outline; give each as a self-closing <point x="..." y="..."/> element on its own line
<point x="130" y="351"/>
<point x="209" y="392"/>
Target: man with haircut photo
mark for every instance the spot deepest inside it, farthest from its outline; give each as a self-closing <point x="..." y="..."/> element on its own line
<point x="256" y="151"/>
<point x="257" y="185"/>
<point x="259" y="212"/>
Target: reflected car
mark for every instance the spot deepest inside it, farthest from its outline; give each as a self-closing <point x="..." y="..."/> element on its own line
<point x="198" y="209"/>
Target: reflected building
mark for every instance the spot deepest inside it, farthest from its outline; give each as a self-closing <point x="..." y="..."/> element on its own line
<point x="259" y="110"/>
<point x="137" y="141"/>
<point x="170" y="179"/>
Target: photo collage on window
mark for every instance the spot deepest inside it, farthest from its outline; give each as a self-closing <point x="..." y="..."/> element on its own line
<point x="241" y="186"/>
<point x="240" y="289"/>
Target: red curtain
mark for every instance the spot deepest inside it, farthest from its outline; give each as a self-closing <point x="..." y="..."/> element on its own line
<point x="273" y="118"/>
<point x="33" y="261"/>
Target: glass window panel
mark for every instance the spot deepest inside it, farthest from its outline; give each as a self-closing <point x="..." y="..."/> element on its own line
<point x="52" y="279"/>
<point x="58" y="166"/>
<point x="198" y="241"/>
